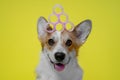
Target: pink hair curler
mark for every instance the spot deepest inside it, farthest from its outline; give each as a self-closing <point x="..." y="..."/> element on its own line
<point x="59" y="21"/>
<point x="60" y="7"/>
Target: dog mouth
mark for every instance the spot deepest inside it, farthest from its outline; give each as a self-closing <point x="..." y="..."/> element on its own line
<point x="58" y="66"/>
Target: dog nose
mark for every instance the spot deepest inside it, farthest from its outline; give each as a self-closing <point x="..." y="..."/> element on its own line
<point x="59" y="56"/>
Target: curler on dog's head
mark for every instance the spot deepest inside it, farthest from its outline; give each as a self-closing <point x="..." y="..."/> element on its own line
<point x="59" y="20"/>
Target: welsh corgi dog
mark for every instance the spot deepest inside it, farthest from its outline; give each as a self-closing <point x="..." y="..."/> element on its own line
<point x="60" y="50"/>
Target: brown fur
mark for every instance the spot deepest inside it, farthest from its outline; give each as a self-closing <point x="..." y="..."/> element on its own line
<point x="44" y="41"/>
<point x="73" y="38"/>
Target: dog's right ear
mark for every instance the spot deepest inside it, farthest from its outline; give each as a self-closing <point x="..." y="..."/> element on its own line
<point x="82" y="31"/>
<point x="41" y="26"/>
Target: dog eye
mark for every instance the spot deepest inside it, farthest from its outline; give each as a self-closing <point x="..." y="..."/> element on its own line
<point x="68" y="42"/>
<point x="51" y="42"/>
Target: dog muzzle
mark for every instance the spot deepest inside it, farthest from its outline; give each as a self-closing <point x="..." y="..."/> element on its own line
<point x="58" y="66"/>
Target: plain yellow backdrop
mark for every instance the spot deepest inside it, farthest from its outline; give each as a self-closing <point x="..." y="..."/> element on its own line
<point x="19" y="46"/>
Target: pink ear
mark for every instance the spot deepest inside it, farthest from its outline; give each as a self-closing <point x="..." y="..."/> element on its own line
<point x="83" y="30"/>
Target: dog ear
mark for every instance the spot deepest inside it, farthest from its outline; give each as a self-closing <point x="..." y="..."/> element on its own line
<point x="82" y="31"/>
<point x="41" y="26"/>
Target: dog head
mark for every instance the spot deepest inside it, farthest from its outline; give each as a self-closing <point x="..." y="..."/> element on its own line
<point x="62" y="47"/>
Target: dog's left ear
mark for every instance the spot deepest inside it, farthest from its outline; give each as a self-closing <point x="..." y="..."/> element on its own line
<point x="82" y="31"/>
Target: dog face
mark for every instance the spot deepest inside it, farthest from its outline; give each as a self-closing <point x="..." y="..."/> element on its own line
<point x="62" y="47"/>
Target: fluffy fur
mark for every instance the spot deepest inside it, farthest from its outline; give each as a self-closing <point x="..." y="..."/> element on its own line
<point x="72" y="71"/>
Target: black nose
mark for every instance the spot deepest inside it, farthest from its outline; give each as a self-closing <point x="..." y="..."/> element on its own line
<point x="59" y="56"/>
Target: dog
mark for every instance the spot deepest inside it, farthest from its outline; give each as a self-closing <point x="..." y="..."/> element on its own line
<point x="59" y="51"/>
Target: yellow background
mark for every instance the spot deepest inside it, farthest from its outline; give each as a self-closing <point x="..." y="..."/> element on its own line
<point x="19" y="45"/>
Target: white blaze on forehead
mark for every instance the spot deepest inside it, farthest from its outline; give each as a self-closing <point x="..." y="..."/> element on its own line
<point x="58" y="36"/>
